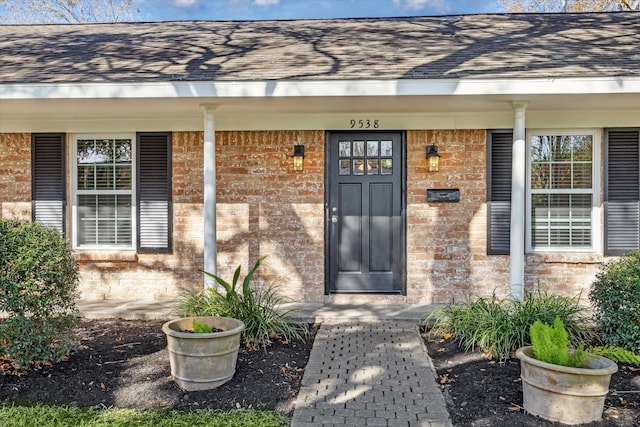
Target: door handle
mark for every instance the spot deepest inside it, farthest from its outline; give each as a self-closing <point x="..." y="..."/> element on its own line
<point x="334" y="219"/>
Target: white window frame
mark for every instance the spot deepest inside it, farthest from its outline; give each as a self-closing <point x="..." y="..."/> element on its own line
<point x="596" y="226"/>
<point x="73" y="161"/>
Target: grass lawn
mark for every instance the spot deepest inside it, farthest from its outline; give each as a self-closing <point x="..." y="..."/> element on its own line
<point x="13" y="415"/>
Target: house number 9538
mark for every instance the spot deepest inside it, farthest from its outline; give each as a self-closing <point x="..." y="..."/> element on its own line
<point x="364" y="124"/>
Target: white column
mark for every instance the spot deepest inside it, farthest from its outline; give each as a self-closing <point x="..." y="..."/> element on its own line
<point x="210" y="246"/>
<point x="518" y="203"/>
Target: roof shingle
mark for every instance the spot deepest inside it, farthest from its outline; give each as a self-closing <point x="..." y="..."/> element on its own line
<point x="467" y="46"/>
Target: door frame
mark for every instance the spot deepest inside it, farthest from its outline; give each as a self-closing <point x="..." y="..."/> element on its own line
<point x="403" y="211"/>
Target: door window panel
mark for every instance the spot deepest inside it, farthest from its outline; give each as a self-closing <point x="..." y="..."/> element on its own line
<point x="365" y="158"/>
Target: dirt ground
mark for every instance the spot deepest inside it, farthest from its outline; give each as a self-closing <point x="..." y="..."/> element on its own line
<point x="125" y="364"/>
<point x="482" y="392"/>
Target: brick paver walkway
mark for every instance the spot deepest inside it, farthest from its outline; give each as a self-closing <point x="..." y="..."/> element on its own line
<point x="369" y="373"/>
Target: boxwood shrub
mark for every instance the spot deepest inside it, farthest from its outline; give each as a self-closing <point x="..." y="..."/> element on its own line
<point x="38" y="291"/>
<point x="615" y="295"/>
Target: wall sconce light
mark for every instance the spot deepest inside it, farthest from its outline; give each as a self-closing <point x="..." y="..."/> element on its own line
<point x="433" y="158"/>
<point x="298" y="158"/>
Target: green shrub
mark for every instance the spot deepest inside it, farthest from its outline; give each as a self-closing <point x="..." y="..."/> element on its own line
<point x="546" y="308"/>
<point x="498" y="327"/>
<point x="551" y="345"/>
<point x="25" y="340"/>
<point x="481" y="324"/>
<point x="615" y="295"/>
<point x="38" y="290"/>
<point x="617" y="354"/>
<point x="258" y="308"/>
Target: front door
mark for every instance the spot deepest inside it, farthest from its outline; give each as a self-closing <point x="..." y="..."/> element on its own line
<point x="365" y="212"/>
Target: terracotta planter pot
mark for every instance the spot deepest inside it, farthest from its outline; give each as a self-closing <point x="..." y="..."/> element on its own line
<point x="203" y="361"/>
<point x="564" y="394"/>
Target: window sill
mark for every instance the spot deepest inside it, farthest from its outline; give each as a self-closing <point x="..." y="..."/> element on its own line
<point x="566" y="257"/>
<point x="105" y="256"/>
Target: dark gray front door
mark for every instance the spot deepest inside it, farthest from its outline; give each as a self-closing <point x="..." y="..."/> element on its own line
<point x="365" y="212"/>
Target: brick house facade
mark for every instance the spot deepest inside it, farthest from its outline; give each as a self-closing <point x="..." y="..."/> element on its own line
<point x="263" y="207"/>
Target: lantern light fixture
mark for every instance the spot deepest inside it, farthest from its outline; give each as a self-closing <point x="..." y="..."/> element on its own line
<point x="298" y="158"/>
<point x="433" y="158"/>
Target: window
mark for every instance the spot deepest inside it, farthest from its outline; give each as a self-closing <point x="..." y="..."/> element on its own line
<point x="121" y="192"/>
<point x="103" y="192"/>
<point x="562" y="190"/>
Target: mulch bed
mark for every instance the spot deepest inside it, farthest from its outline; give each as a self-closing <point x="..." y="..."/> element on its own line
<point x="482" y="392"/>
<point x="125" y="364"/>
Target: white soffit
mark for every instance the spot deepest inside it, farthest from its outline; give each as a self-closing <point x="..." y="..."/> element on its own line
<point x="326" y="88"/>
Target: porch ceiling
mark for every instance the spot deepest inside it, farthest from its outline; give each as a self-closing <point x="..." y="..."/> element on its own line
<point x="189" y="107"/>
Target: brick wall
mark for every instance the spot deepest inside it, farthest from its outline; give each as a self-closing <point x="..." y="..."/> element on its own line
<point x="158" y="276"/>
<point x="15" y="175"/>
<point x="264" y="208"/>
<point x="446" y="242"/>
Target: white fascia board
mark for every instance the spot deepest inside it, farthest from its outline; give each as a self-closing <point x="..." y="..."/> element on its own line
<point x="325" y="88"/>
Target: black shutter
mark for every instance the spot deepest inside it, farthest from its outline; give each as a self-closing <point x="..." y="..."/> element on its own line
<point x="48" y="184"/>
<point x="622" y="191"/>
<point x="153" y="192"/>
<point x="499" y="149"/>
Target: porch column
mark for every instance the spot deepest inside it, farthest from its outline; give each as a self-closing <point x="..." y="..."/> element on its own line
<point x="210" y="247"/>
<point x="518" y="192"/>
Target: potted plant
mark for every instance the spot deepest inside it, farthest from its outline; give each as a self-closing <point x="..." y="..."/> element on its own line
<point x="559" y="383"/>
<point x="203" y="350"/>
<point x="206" y="360"/>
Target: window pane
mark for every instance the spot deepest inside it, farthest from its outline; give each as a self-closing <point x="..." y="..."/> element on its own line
<point x="561" y="175"/>
<point x="540" y="149"/>
<point x="345" y="167"/>
<point x="122" y="177"/>
<point x="122" y="151"/>
<point x="386" y="167"/>
<point x="103" y="177"/>
<point x="372" y="148"/>
<point x="560" y="148"/>
<point x="582" y="173"/>
<point x="560" y="162"/>
<point x="540" y="176"/>
<point x="386" y="148"/>
<point x="104" y="220"/>
<point x="86" y="177"/>
<point x="358" y="167"/>
<point x="372" y="167"/>
<point x="561" y="220"/>
<point x="104" y="164"/>
<point x="358" y="148"/>
<point x="344" y="149"/>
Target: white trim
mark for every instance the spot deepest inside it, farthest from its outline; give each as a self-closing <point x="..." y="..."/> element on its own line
<point x="134" y="122"/>
<point x="324" y="88"/>
<point x="75" y="192"/>
<point x="596" y="225"/>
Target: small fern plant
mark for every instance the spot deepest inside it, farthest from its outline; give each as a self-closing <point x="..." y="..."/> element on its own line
<point x="551" y="345"/>
<point x="201" y="328"/>
<point x="617" y="354"/>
